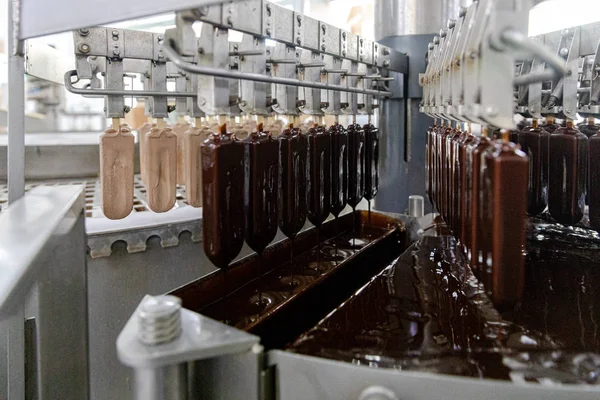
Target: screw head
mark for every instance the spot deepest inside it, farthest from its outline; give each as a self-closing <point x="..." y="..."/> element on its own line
<point x="84" y="48"/>
<point x="323" y="47"/>
<point x="387" y="63"/>
<point x="115" y="32"/>
<point x="201" y="101"/>
<point x="230" y="21"/>
<point x="436" y="40"/>
<point x="386" y="51"/>
<point x="299" y="41"/>
<point x="268" y="31"/>
<point x="564" y="52"/>
<point x="473" y="55"/>
<point x="160" y="38"/>
<point x="268" y="10"/>
<point x="116" y="52"/>
<point x="451" y="23"/>
<point x="344" y="35"/>
<point x="161" y="56"/>
<point x="344" y="53"/>
<point x="299" y="19"/>
<point x="84" y="31"/>
<point x="462" y="11"/>
<point x="324" y="28"/>
<point x="443" y="33"/>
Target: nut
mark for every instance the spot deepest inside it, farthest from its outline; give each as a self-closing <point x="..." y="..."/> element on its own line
<point x="84" y="31"/>
<point x="84" y="48"/>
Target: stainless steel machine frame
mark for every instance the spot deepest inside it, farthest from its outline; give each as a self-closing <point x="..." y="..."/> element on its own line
<point x="43" y="296"/>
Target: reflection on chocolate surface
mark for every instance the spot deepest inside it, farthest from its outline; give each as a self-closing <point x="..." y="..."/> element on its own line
<point x="427" y="312"/>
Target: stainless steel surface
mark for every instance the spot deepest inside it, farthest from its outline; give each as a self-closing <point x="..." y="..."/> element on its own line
<point x="201" y="338"/>
<point x="16" y="105"/>
<point x="413" y="17"/>
<point x="68" y="15"/>
<point x="416" y="206"/>
<point x="45" y="62"/>
<point x="42" y="247"/>
<point x="305" y="377"/>
<point x="167" y="383"/>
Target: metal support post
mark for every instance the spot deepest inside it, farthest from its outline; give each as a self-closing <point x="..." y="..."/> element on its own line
<point x="16" y="106"/>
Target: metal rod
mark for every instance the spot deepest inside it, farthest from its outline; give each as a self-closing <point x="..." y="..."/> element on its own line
<point x="223" y="73"/>
<point x="112" y="92"/>
<point x="515" y="39"/>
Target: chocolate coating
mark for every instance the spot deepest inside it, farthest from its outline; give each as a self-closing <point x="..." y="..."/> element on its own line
<point x="223" y="197"/>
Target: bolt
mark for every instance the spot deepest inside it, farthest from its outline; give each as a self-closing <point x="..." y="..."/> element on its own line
<point x="564" y="52"/>
<point x="387" y="63"/>
<point x="443" y="33"/>
<point x="344" y="35"/>
<point x="115" y="33"/>
<point x="236" y="47"/>
<point x="84" y="48"/>
<point x="324" y="28"/>
<point x="299" y="19"/>
<point x="568" y="111"/>
<point x="126" y="109"/>
<point x="161" y="56"/>
<point x="451" y="23"/>
<point x="269" y="31"/>
<point x="268" y="10"/>
<point x="436" y="40"/>
<point x="160" y="38"/>
<point x="361" y="57"/>
<point x="230" y="21"/>
<point x="533" y="109"/>
<point x="473" y="55"/>
<point x="201" y="101"/>
<point x="344" y="53"/>
<point x="200" y="50"/>
<point x="386" y="51"/>
<point x="159" y="320"/>
<point x="569" y="73"/>
<point x="457" y="62"/>
<point x="116" y="52"/>
<point x="84" y="31"/>
<point x="299" y="41"/>
<point x="361" y="41"/>
<point x="462" y="12"/>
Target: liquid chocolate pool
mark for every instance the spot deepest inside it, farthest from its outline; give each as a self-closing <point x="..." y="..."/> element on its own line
<point x="427" y="312"/>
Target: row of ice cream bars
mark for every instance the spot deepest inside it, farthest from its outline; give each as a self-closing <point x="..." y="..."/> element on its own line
<point x="485" y="186"/>
<point x="248" y="188"/>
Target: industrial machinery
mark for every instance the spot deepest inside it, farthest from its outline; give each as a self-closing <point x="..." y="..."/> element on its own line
<point x="241" y="263"/>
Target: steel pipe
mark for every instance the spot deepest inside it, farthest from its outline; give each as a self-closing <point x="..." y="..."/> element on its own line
<point x="223" y="73"/>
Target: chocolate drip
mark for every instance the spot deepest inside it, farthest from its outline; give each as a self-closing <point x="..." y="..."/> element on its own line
<point x="260" y="200"/>
<point x="371" y="161"/>
<point x="339" y="168"/>
<point x="356" y="164"/>
<point x="534" y="142"/>
<point x="223" y="197"/>
<point x="594" y="181"/>
<point x="292" y="181"/>
<point x="567" y="175"/>
<point x="319" y="175"/>
<point x="505" y="184"/>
